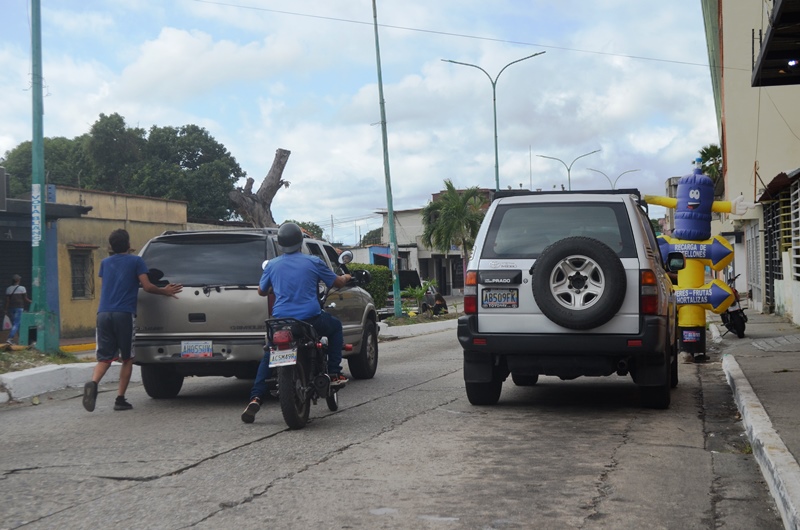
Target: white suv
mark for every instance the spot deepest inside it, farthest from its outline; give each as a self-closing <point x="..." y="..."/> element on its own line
<point x="569" y="284"/>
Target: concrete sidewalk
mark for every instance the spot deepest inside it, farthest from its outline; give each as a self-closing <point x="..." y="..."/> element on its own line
<point x="763" y="370"/>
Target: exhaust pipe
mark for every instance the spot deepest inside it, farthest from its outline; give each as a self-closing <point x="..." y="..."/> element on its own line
<point x="622" y="367"/>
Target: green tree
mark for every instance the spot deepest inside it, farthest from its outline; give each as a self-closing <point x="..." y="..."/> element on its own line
<point x="115" y="153"/>
<point x="187" y="163"/>
<point x="373" y="237"/>
<point x="181" y="163"/>
<point x="711" y="163"/>
<point x="314" y="229"/>
<point x="64" y="164"/>
<point x="453" y="219"/>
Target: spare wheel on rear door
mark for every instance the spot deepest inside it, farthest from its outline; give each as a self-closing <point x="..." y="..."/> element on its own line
<point x="579" y="283"/>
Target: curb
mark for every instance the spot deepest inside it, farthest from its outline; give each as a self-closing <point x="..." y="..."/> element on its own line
<point x="72" y="348"/>
<point x="42" y="379"/>
<point x="780" y="469"/>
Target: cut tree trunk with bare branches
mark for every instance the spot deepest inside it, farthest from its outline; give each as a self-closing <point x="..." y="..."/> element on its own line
<point x="255" y="208"/>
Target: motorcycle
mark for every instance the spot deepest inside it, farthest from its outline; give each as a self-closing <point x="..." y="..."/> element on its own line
<point x="300" y="356"/>
<point x="734" y="318"/>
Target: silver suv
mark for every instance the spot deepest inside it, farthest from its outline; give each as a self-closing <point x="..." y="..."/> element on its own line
<point x="569" y="284"/>
<point x="216" y="325"/>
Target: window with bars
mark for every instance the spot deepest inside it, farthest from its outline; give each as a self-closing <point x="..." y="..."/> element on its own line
<point x="795" y="224"/>
<point x="81" y="263"/>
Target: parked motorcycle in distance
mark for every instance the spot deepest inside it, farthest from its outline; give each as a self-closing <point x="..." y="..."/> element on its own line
<point x="734" y="318"/>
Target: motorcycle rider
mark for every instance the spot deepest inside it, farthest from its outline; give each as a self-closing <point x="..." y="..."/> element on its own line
<point x="294" y="278"/>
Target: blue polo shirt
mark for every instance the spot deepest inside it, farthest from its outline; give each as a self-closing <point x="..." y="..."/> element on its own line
<point x="294" y="279"/>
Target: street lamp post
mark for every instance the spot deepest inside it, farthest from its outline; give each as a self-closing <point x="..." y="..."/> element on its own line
<point x="613" y="184"/>
<point x="569" y="167"/>
<point x="494" y="108"/>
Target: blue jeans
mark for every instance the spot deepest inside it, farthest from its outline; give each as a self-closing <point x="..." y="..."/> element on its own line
<point x="327" y="326"/>
<point x="15" y="315"/>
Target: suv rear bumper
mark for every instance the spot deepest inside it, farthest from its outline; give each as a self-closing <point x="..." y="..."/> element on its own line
<point x="231" y="357"/>
<point x="565" y="355"/>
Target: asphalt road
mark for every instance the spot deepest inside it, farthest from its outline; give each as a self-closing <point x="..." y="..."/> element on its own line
<point x="405" y="450"/>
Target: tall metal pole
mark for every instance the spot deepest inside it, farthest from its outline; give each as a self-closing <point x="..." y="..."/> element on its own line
<point x="45" y="322"/>
<point x="613" y="184"/>
<point x="494" y="108"/>
<point x="390" y="208"/>
<point x="569" y="167"/>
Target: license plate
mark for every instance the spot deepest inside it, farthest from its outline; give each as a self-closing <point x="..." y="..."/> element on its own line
<point x="196" y="348"/>
<point x="282" y="357"/>
<point x="495" y="298"/>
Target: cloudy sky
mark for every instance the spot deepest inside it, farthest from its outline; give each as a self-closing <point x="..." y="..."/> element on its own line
<point x="628" y="78"/>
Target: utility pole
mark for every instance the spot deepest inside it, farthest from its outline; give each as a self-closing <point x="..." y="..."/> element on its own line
<point x="390" y="208"/>
<point x="39" y="318"/>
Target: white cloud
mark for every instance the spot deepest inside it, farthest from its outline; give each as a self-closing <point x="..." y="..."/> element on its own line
<point x="626" y="78"/>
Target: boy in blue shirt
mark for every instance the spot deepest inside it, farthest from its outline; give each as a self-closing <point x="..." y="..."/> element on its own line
<point x="121" y="275"/>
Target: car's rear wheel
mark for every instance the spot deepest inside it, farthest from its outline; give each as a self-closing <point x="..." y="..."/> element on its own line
<point x="524" y="380"/>
<point x="364" y="364"/>
<point x="658" y="397"/>
<point x="161" y="382"/>
<point x="579" y="283"/>
<point x="484" y="393"/>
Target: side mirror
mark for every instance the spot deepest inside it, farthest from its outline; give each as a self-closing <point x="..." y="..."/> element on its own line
<point x="362" y="277"/>
<point x="264" y="264"/>
<point x="676" y="261"/>
<point x="346" y="257"/>
<point x="154" y="275"/>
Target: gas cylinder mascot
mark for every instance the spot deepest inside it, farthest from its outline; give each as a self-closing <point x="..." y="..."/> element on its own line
<point x="692" y="236"/>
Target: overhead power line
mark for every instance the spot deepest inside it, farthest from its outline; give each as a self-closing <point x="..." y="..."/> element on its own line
<point x="460" y="35"/>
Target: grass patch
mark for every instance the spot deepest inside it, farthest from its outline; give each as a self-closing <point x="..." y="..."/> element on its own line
<point x="21" y="359"/>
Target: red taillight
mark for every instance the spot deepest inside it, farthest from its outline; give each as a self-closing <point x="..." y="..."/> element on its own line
<point x="471" y="293"/>
<point x="282" y="339"/>
<point x="649" y="293"/>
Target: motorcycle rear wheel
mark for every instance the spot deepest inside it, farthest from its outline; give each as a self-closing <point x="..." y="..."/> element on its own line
<point x="737" y="321"/>
<point x="293" y="395"/>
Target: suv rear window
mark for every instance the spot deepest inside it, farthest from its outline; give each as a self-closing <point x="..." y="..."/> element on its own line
<point x="523" y="231"/>
<point x="195" y="261"/>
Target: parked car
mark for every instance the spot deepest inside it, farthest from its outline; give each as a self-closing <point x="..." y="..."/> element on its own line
<point x="216" y="325"/>
<point x="568" y="284"/>
<point x="409" y="278"/>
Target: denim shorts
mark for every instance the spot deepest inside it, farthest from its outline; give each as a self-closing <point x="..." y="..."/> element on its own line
<point x="114" y="336"/>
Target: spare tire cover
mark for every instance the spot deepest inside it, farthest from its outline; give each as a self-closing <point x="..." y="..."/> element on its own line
<point x="579" y="283"/>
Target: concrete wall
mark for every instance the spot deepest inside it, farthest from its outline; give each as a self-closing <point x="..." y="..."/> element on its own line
<point x="142" y="217"/>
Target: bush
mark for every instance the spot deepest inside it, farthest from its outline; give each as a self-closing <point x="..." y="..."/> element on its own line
<point x="380" y="282"/>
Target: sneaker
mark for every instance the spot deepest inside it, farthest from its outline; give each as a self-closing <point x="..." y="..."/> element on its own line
<point x="122" y="404"/>
<point x="338" y="379"/>
<point x="249" y="414"/>
<point x="89" y="395"/>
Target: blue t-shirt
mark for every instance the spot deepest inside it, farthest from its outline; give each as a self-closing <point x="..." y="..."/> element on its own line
<point x="294" y="278"/>
<point x="120" y="274"/>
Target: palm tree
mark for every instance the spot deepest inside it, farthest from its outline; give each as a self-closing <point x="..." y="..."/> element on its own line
<point x="711" y="163"/>
<point x="453" y="219"/>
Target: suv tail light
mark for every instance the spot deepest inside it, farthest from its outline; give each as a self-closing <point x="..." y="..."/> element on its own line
<point x="471" y="293"/>
<point x="282" y="339"/>
<point x="649" y="292"/>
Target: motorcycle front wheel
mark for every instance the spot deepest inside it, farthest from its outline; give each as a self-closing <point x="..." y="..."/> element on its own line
<point x="333" y="401"/>
<point x="294" y="395"/>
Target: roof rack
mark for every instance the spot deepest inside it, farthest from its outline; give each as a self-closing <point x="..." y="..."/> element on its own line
<point x="518" y="193"/>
